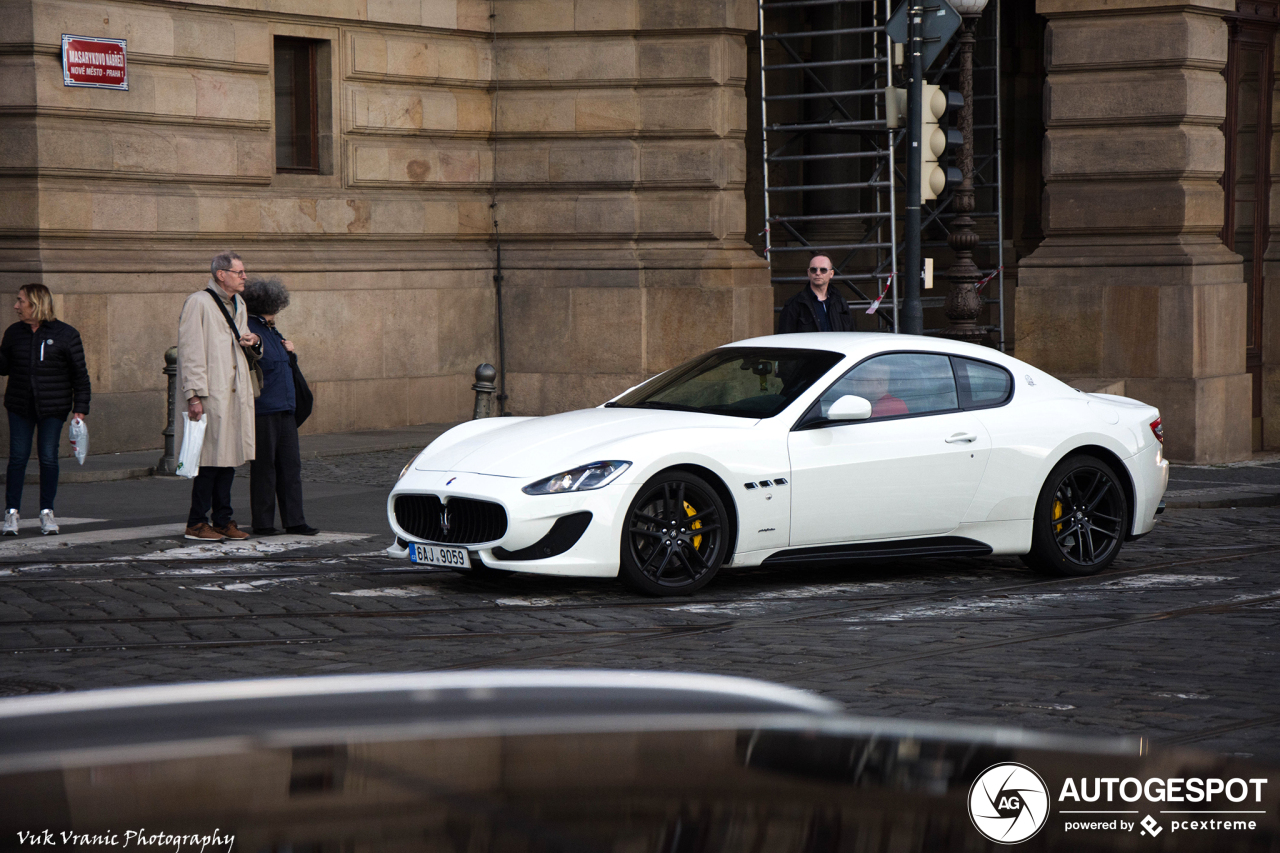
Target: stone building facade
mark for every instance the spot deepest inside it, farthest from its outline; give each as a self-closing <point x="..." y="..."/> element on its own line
<point x="1139" y="286"/>
<point x="597" y="145"/>
<point x="594" y="154"/>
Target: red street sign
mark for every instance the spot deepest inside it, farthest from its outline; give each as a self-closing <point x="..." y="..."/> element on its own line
<point x="97" y="63"/>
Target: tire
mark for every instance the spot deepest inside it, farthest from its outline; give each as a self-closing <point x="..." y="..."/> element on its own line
<point x="675" y="537"/>
<point x="1080" y="519"/>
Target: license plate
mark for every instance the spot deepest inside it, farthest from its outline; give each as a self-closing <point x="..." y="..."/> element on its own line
<point x="440" y="555"/>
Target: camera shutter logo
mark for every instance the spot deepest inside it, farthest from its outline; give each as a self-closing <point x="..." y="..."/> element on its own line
<point x="1008" y="803"/>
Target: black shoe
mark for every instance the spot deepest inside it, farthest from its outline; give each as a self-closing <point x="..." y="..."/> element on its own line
<point x="265" y="531"/>
<point x="302" y="530"/>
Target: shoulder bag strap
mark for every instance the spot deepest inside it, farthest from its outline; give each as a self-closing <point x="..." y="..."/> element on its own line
<point x="226" y="314"/>
<point x="252" y="354"/>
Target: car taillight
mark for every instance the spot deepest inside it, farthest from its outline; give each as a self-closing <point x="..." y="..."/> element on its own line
<point x="1158" y="429"/>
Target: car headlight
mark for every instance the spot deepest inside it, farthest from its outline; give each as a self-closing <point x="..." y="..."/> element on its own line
<point x="581" y="479"/>
<point x="407" y="466"/>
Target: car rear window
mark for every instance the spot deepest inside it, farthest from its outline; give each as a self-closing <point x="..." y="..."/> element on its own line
<point x="981" y="384"/>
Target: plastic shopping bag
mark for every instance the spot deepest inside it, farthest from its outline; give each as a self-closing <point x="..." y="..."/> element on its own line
<point x="192" y="444"/>
<point x="79" y="435"/>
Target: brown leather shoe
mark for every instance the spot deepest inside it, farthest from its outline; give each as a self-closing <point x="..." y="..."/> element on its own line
<point x="231" y="531"/>
<point x="203" y="533"/>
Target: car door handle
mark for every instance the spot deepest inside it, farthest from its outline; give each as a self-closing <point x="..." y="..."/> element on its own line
<point x="962" y="438"/>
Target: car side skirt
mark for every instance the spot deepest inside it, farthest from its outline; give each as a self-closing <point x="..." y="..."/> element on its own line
<point x="934" y="546"/>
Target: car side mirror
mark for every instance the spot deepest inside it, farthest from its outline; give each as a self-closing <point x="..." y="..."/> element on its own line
<point x="849" y="408"/>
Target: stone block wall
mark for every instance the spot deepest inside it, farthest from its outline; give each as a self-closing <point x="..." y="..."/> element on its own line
<point x="604" y="137"/>
<point x="1132" y="282"/>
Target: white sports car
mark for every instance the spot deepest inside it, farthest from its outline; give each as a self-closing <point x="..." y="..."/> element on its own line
<point x="793" y="449"/>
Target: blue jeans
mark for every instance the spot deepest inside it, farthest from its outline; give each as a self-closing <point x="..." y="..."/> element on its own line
<point x="21" y="430"/>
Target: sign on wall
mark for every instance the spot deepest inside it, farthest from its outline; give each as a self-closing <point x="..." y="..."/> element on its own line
<point x="93" y="62"/>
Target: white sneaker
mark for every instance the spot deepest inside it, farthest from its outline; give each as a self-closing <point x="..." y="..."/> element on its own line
<point x="47" y="523"/>
<point x="10" y="523"/>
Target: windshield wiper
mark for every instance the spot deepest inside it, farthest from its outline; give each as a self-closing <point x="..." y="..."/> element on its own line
<point x="658" y="404"/>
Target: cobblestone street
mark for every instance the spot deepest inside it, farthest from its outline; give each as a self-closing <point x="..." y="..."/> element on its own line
<point x="1178" y="642"/>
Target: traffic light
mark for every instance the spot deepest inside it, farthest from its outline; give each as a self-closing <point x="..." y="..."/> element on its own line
<point x="935" y="140"/>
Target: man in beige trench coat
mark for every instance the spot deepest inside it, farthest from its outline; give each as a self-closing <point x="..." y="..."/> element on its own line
<point x="214" y="376"/>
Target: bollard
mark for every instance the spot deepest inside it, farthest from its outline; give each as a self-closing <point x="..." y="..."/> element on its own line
<point x="484" y="388"/>
<point x="168" y="463"/>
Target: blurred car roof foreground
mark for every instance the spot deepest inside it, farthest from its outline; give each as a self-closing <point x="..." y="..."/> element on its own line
<point x="580" y="760"/>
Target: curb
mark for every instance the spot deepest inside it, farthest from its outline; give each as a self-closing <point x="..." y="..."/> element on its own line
<point x="1248" y="499"/>
<point x="351" y="451"/>
<point x="104" y="476"/>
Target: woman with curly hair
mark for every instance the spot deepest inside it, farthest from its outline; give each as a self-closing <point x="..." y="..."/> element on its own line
<point x="275" y="475"/>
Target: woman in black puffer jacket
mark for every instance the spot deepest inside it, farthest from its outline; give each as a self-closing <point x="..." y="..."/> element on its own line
<point x="44" y="360"/>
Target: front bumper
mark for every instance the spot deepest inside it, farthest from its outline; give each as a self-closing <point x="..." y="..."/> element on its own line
<point x="535" y="523"/>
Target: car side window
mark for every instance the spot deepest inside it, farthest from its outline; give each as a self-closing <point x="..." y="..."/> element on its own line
<point x="981" y="384"/>
<point x="903" y="383"/>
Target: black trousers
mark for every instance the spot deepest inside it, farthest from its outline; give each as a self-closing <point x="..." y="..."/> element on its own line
<point x="275" y="475"/>
<point x="211" y="487"/>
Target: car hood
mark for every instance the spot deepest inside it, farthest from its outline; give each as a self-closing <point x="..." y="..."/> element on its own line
<point x="537" y="447"/>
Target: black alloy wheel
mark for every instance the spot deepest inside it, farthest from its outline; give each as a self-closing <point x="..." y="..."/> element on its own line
<point x="1080" y="518"/>
<point x="676" y="535"/>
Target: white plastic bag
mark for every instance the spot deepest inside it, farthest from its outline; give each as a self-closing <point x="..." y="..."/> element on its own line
<point x="192" y="444"/>
<point x="79" y="435"/>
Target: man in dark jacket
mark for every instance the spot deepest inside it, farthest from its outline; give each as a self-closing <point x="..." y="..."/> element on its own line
<point x="817" y="308"/>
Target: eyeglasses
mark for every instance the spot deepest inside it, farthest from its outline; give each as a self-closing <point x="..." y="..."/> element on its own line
<point x="819" y="269"/>
<point x="241" y="273"/>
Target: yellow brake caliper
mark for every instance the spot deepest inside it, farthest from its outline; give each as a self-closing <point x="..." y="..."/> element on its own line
<point x="697" y="540"/>
<point x="1057" y="514"/>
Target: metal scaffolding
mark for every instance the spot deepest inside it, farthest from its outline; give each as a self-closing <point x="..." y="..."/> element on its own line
<point x="828" y="150"/>
<point x="833" y="176"/>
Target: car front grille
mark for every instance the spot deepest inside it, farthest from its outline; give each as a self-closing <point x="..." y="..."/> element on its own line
<point x="468" y="521"/>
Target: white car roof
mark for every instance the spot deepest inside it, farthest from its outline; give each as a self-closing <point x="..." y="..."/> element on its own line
<point x="859" y="345"/>
<point x="865" y="343"/>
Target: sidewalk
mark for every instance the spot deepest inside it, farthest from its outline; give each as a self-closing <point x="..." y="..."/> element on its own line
<point x="109" y="467"/>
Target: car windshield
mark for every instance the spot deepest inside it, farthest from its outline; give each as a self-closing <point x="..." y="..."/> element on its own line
<point x="742" y="383"/>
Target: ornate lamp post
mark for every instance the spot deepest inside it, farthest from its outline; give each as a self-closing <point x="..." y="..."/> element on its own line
<point x="963" y="304"/>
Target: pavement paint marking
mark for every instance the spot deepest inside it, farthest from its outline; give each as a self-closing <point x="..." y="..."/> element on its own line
<point x="971" y="608"/>
<point x="242" y="586"/>
<point x="743" y="609"/>
<point x="1039" y="706"/>
<point x="821" y="590"/>
<point x="1182" y="695"/>
<point x="532" y="602"/>
<point x="230" y="568"/>
<point x="1144" y="581"/>
<point x="410" y="591"/>
<point x="248" y="547"/>
<point x="48" y="567"/>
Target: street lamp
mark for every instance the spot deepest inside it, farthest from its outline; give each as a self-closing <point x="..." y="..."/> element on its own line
<point x="963" y="305"/>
